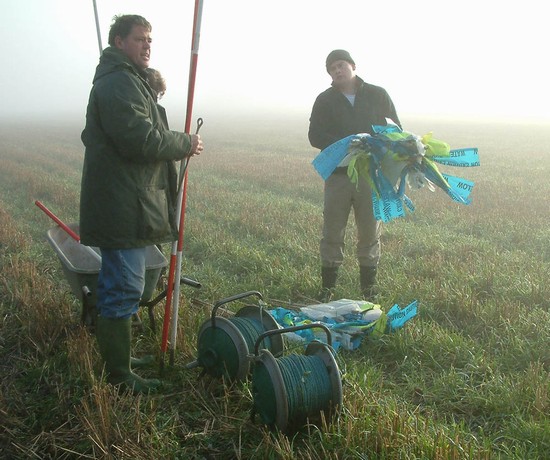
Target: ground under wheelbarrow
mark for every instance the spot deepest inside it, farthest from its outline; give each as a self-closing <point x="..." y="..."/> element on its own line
<point x="81" y="266"/>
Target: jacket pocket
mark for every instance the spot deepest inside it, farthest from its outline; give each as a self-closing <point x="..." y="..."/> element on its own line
<point x="153" y="206"/>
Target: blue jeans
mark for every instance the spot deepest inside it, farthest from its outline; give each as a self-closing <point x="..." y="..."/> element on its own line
<point x="120" y="282"/>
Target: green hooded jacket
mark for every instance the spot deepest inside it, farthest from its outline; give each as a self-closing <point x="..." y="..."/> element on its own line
<point x="128" y="189"/>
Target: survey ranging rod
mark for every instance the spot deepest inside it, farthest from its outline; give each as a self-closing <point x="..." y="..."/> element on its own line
<point x="172" y="297"/>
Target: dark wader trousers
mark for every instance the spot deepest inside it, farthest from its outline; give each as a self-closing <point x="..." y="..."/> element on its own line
<point x="341" y="195"/>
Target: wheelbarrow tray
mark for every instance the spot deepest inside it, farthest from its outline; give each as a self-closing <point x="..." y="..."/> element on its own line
<point x="81" y="265"/>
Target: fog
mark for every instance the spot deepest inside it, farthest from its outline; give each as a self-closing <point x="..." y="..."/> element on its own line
<point x="466" y="59"/>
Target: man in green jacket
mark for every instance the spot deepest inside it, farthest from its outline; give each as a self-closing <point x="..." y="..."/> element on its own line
<point x="128" y="192"/>
<point x="349" y="106"/>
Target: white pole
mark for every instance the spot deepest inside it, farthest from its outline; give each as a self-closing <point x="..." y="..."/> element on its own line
<point x="97" y="29"/>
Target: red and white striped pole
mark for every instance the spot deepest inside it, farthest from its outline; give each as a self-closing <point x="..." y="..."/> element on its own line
<point x="172" y="296"/>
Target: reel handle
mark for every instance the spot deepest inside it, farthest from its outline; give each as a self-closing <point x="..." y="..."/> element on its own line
<point x="292" y="329"/>
<point x="221" y="302"/>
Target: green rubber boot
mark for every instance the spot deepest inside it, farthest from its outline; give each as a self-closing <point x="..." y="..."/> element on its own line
<point x="367" y="279"/>
<point x="328" y="281"/>
<point x="114" y="337"/>
<point x="144" y="361"/>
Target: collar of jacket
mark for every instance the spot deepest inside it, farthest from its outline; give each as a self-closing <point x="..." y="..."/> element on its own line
<point x="112" y="60"/>
<point x="359" y="82"/>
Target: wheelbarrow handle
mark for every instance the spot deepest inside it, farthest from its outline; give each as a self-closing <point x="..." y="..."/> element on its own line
<point x="190" y="282"/>
<point x="68" y="230"/>
<point x="58" y="221"/>
<point x="162" y="295"/>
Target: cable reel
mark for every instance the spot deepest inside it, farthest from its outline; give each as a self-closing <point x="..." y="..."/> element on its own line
<point x="296" y="389"/>
<point x="224" y="345"/>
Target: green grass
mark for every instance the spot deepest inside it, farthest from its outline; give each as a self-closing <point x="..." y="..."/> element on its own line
<point x="467" y="378"/>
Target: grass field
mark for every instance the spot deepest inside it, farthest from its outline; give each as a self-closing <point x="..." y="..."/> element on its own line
<point x="468" y="378"/>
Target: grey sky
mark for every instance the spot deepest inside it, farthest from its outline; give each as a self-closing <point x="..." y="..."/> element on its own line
<point x="468" y="58"/>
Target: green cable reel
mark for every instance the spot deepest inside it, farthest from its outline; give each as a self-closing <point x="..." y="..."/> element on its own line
<point x="224" y="345"/>
<point x="294" y="390"/>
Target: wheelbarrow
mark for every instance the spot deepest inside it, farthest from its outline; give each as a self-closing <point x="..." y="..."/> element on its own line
<point x="81" y="266"/>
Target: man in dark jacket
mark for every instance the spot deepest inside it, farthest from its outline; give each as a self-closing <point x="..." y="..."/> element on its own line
<point x="350" y="106"/>
<point x="128" y="187"/>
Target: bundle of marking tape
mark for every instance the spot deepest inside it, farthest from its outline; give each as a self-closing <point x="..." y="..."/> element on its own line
<point x="349" y="321"/>
<point x="392" y="159"/>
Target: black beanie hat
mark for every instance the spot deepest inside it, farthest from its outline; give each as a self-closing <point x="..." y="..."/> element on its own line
<point x="339" y="55"/>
